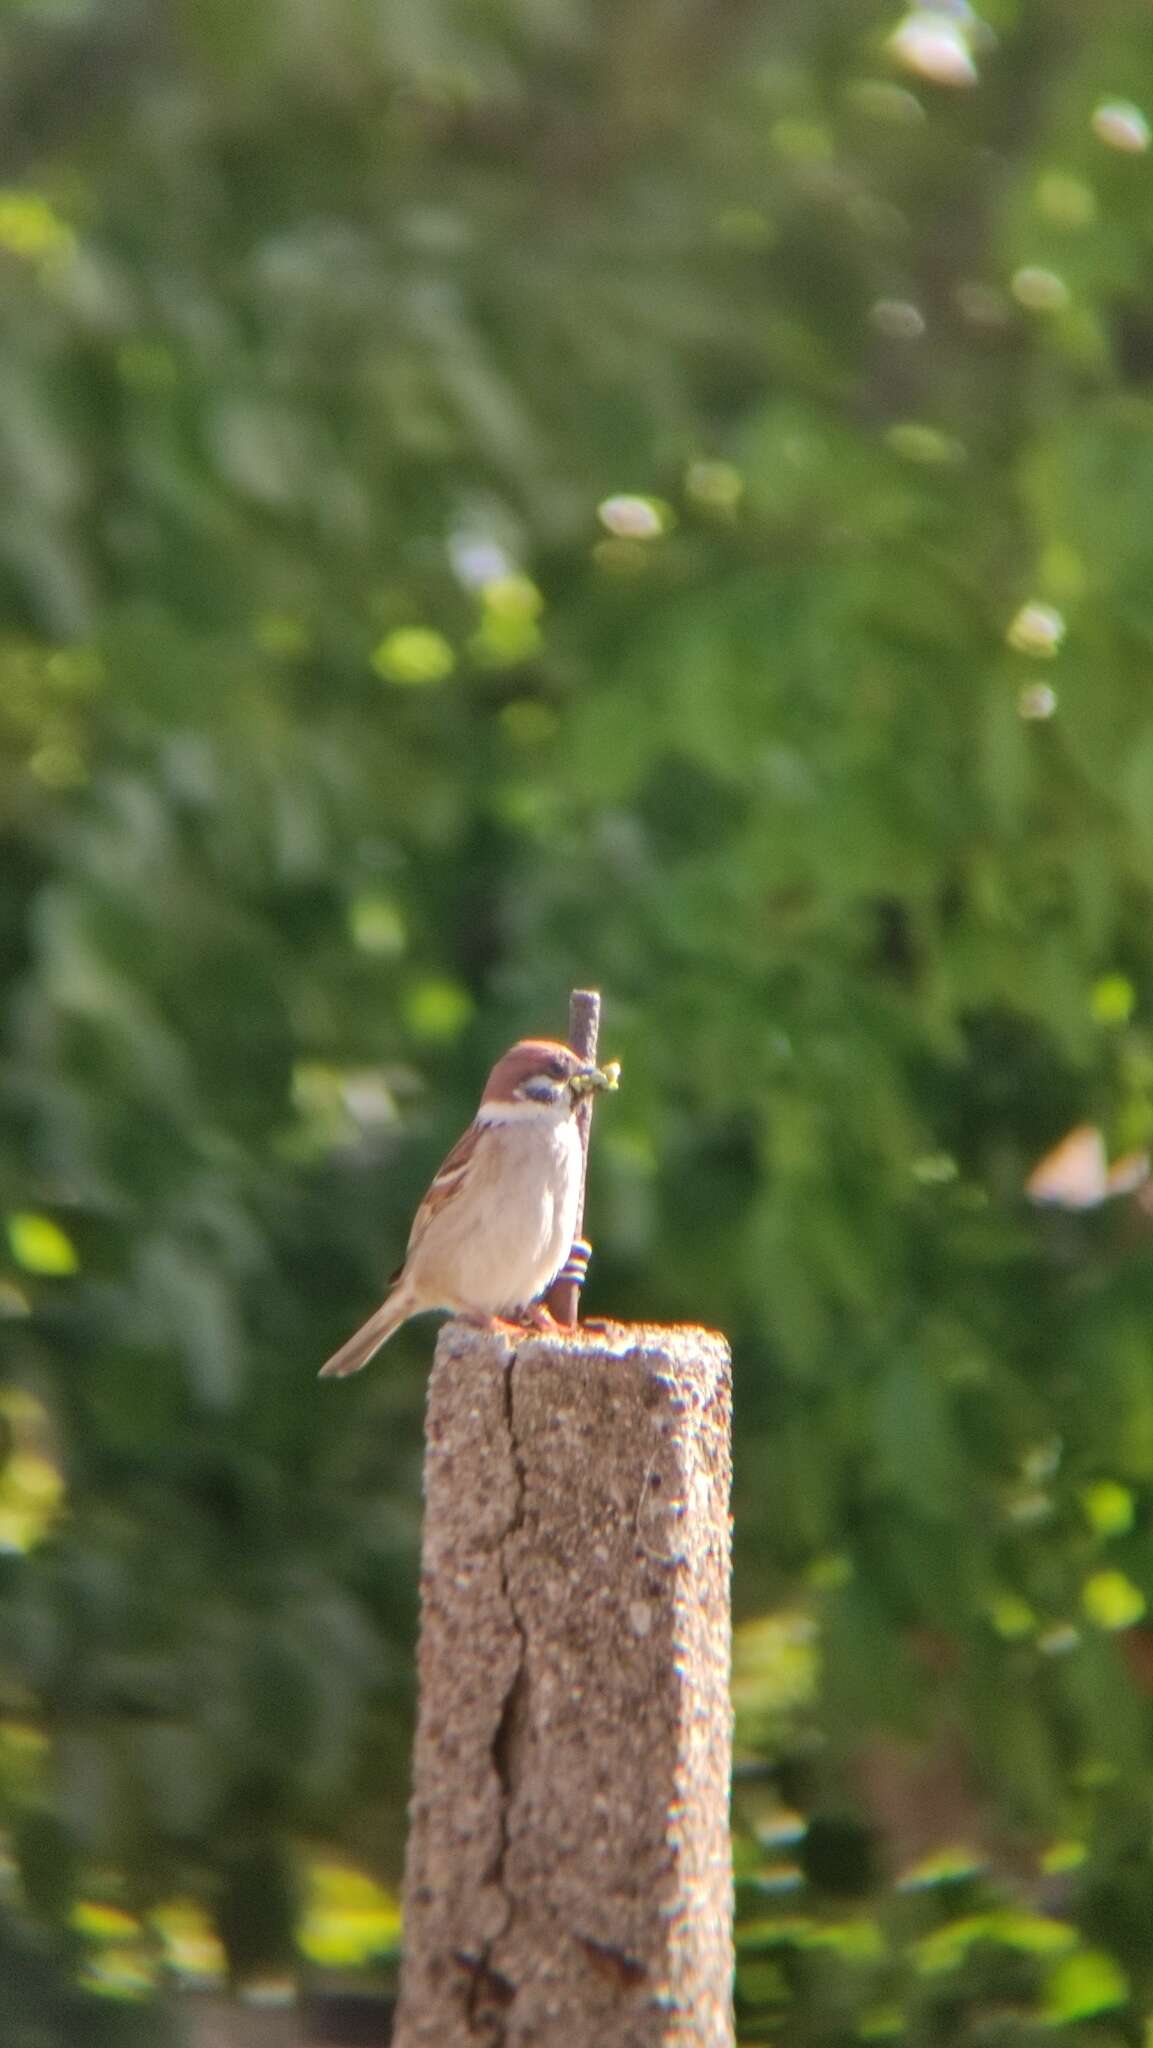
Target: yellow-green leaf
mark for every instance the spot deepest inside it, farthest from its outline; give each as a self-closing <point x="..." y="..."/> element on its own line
<point x="40" y="1246"/>
<point x="1109" y="1507"/>
<point x="1113" y="999"/>
<point x="1084" y="1983"/>
<point x="1112" y="1600"/>
<point x="415" y="656"/>
<point x="437" y="1010"/>
<point x="377" y="925"/>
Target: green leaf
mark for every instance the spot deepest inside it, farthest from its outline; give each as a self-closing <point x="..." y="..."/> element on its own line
<point x="40" y="1246"/>
<point x="1083" y="1984"/>
<point x="917" y="1449"/>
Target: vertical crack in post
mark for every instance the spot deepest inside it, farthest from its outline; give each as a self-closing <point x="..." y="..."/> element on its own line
<point x="491" y="1993"/>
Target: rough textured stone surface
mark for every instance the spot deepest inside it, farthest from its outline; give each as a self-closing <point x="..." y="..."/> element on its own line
<point x="568" y="1877"/>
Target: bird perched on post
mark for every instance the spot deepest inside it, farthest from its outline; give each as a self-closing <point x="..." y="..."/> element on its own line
<point x="497" y="1224"/>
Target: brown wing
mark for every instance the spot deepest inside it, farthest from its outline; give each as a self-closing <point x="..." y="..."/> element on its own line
<point x="445" y="1183"/>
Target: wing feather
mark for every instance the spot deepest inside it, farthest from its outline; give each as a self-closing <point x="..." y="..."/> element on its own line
<point x="445" y="1183"/>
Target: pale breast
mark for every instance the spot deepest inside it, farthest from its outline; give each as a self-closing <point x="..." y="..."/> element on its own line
<point x="500" y="1247"/>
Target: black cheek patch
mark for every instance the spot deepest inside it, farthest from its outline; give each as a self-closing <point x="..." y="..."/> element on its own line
<point x="539" y="1091"/>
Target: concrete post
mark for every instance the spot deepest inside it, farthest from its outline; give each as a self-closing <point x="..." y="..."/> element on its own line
<point x="568" y="1879"/>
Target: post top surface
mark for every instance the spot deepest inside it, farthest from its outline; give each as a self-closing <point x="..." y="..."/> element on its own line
<point x="592" y="1340"/>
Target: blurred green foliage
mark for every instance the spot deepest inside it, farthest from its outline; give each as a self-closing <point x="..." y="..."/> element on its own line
<point x="497" y="497"/>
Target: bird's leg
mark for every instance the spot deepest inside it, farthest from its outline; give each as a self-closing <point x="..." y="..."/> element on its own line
<point x="573" y="1274"/>
<point x="576" y="1265"/>
<point x="574" y="1270"/>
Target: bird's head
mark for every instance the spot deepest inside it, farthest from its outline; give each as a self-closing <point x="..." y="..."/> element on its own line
<point x="541" y="1075"/>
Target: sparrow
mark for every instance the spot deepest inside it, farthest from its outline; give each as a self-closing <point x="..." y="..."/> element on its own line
<point x="497" y="1225"/>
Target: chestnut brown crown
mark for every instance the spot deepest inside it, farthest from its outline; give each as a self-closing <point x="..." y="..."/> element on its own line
<point x="534" y="1059"/>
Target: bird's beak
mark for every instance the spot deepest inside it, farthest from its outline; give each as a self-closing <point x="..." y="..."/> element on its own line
<point x="592" y="1080"/>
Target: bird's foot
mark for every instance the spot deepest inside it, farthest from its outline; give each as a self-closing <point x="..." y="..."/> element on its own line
<point x="493" y="1326"/>
<point x="538" y="1317"/>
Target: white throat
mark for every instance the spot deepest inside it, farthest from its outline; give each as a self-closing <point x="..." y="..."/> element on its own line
<point x="543" y="1113"/>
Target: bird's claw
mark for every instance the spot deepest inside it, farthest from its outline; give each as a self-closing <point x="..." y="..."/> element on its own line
<point x="493" y="1326"/>
<point x="538" y="1317"/>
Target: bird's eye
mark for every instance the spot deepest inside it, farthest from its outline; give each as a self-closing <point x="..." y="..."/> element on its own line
<point x="558" y="1070"/>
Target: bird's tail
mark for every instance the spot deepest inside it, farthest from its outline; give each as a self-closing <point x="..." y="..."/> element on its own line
<point x="366" y="1342"/>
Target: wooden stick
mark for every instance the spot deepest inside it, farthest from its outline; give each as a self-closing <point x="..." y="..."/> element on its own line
<point x="584" y="1017"/>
